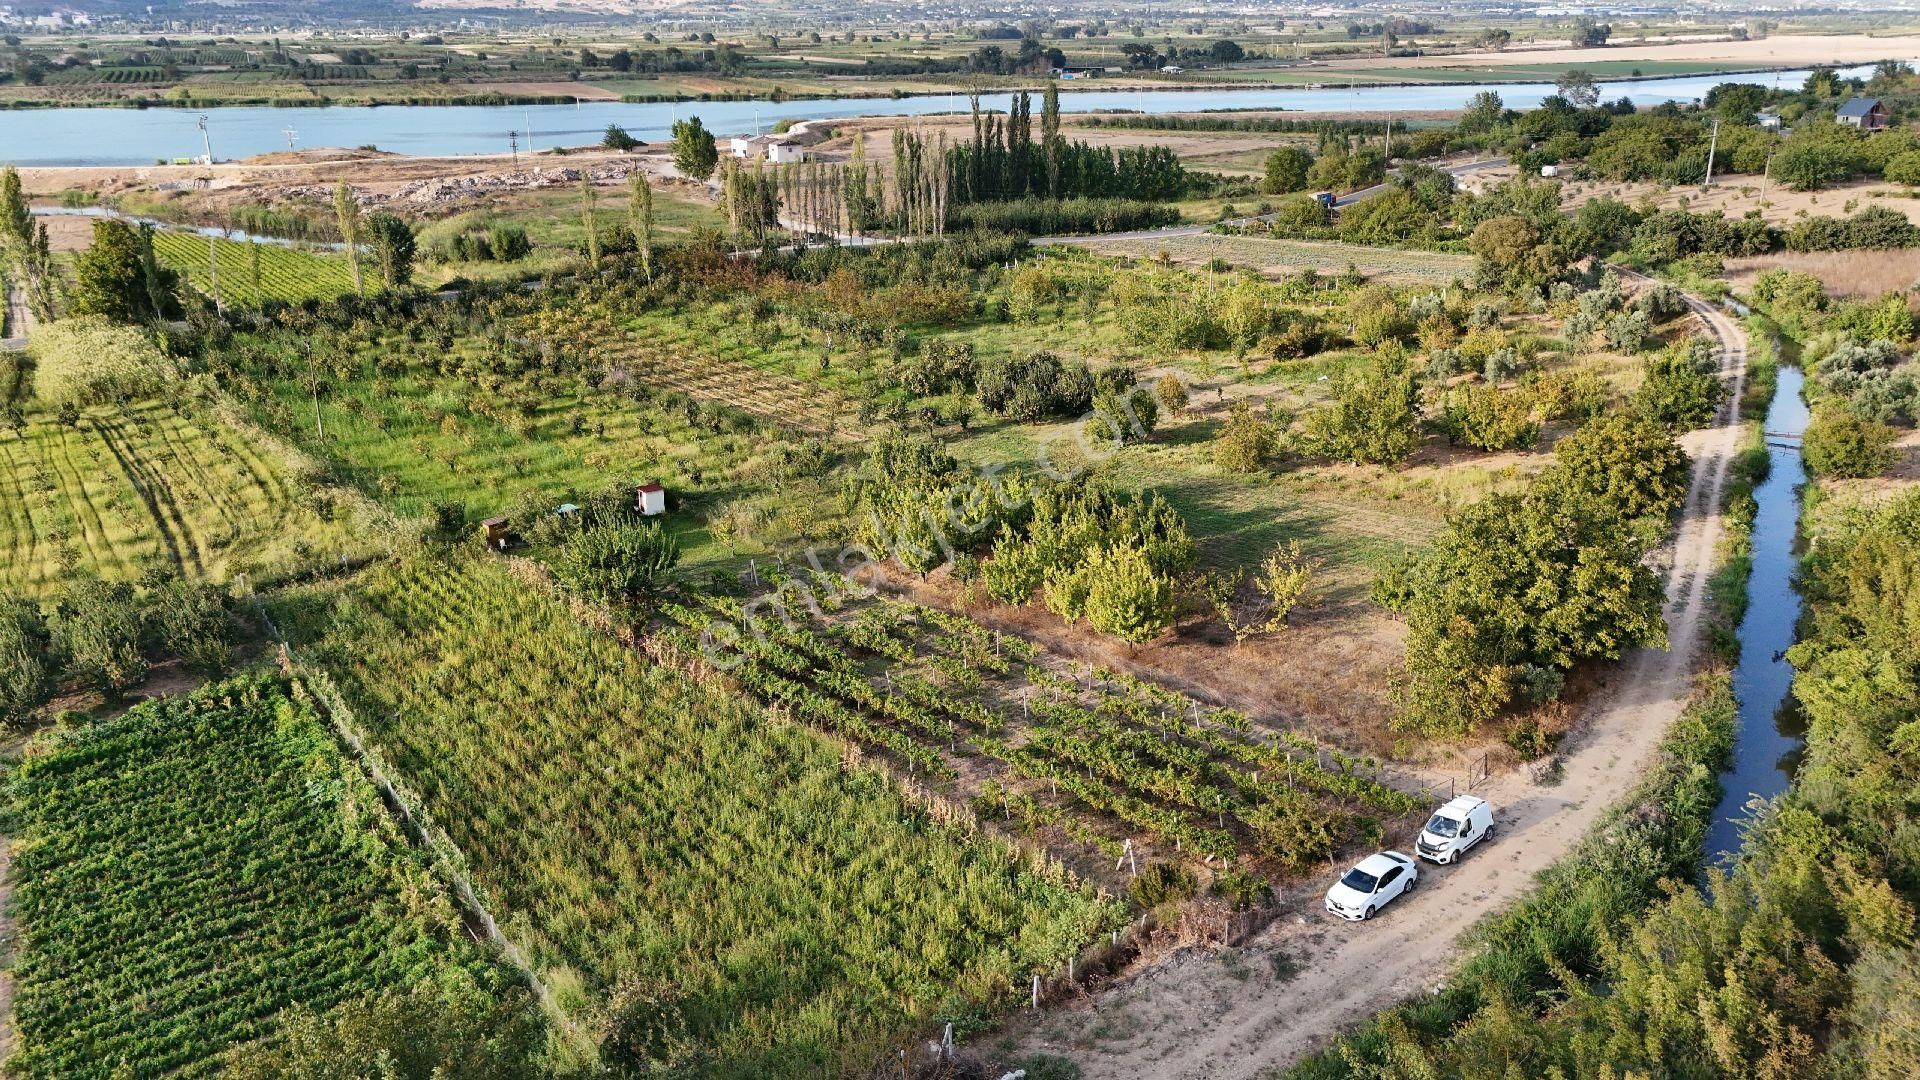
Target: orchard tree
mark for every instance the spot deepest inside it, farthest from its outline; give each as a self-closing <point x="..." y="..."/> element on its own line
<point x="694" y="152"/>
<point x="1245" y="442"/>
<point x="1374" y="418"/>
<point x="1681" y="389"/>
<point x="1126" y="597"/>
<point x="1516" y="254"/>
<point x="1631" y="462"/>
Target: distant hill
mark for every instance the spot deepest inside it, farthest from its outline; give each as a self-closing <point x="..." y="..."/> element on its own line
<point x="306" y="12"/>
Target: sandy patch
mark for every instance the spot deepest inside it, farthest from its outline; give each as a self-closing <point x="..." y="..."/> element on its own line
<point x="1845" y="273"/>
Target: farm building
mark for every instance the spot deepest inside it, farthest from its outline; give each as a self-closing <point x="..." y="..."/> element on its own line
<point x="1867" y="114"/>
<point x="650" y="499"/>
<point x="777" y="149"/>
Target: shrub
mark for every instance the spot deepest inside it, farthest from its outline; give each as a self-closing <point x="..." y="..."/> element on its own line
<point x="96" y="625"/>
<point x="1245" y="442"/>
<point x="187" y="619"/>
<point x="1172" y="393"/>
<point x="618" y="561"/>
<point x="1838" y="443"/>
<point x="1028" y="388"/>
<point x="1123" y="416"/>
<point x="1162" y="883"/>
<point x="26" y="660"/>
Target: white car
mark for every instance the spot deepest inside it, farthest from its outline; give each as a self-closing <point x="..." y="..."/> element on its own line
<point x="1453" y="829"/>
<point x="1371" y="885"/>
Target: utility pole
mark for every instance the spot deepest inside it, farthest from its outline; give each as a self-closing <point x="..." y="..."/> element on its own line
<point x="513" y="145"/>
<point x="1713" y="145"/>
<point x="1389" y="137"/>
<point x="291" y="136"/>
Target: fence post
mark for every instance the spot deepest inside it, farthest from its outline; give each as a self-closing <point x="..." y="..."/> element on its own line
<point x="1036" y="991"/>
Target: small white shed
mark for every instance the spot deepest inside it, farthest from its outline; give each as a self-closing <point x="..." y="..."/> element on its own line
<point x="1549" y="170"/>
<point x="651" y="500"/>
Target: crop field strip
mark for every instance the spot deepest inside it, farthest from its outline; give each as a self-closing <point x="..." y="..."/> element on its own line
<point x="1105" y="758"/>
<point x="285" y="274"/>
<point x="592" y="793"/>
<point x="147" y="485"/>
<point x="189" y="870"/>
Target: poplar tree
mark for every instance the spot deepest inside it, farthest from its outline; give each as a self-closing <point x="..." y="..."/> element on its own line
<point x="589" y="197"/>
<point x="346" y="211"/>
<point x="640" y="218"/>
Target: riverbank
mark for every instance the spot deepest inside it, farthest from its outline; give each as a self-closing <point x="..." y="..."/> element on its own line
<point x="1333" y="81"/>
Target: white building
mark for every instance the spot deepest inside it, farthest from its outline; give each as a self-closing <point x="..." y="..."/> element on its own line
<point x="777" y="149"/>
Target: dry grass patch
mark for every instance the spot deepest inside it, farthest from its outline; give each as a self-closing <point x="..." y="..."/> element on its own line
<point x="1844" y="273"/>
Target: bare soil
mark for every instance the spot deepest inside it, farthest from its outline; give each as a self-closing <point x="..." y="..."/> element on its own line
<point x="1233" y="1014"/>
<point x="1733" y="194"/>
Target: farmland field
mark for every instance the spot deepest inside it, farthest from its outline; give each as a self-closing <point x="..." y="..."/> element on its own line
<point x="628" y="826"/>
<point x="1274" y="256"/>
<point x="187" y="871"/>
<point x="1100" y="756"/>
<point x="148" y="486"/>
<point x="252" y="274"/>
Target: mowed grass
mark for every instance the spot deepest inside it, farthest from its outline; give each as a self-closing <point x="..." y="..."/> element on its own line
<point x="148" y="487"/>
<point x="786" y="907"/>
<point x="185" y="873"/>
<point x="252" y="274"/>
<point x="1292" y="256"/>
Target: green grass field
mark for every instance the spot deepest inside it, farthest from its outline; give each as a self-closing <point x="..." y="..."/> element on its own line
<point x="251" y="274"/>
<point x="792" y="911"/>
<point x="146" y="487"/>
<point x="186" y="872"/>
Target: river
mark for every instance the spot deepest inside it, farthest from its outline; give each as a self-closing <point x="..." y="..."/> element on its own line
<point x="97" y="136"/>
<point x="1771" y="733"/>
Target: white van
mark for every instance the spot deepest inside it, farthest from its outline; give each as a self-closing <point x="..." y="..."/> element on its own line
<point x="1454" y="828"/>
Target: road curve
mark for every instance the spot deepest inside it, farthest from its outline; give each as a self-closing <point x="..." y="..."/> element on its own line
<point x="1195" y="1017"/>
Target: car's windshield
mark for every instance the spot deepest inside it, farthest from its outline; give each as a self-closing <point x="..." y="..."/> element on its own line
<point x="1442" y="825"/>
<point x="1359" y="880"/>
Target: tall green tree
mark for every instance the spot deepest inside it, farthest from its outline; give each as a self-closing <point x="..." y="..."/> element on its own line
<point x="694" y="152"/>
<point x="393" y="246"/>
<point x="640" y="219"/>
<point x="115" y="277"/>
<point x="346" y="214"/>
<point x="589" y="202"/>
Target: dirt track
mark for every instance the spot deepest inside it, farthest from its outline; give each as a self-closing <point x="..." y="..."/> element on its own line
<point x="1228" y="1017"/>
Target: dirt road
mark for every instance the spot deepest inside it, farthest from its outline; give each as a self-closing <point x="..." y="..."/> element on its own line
<point x="1234" y="1016"/>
